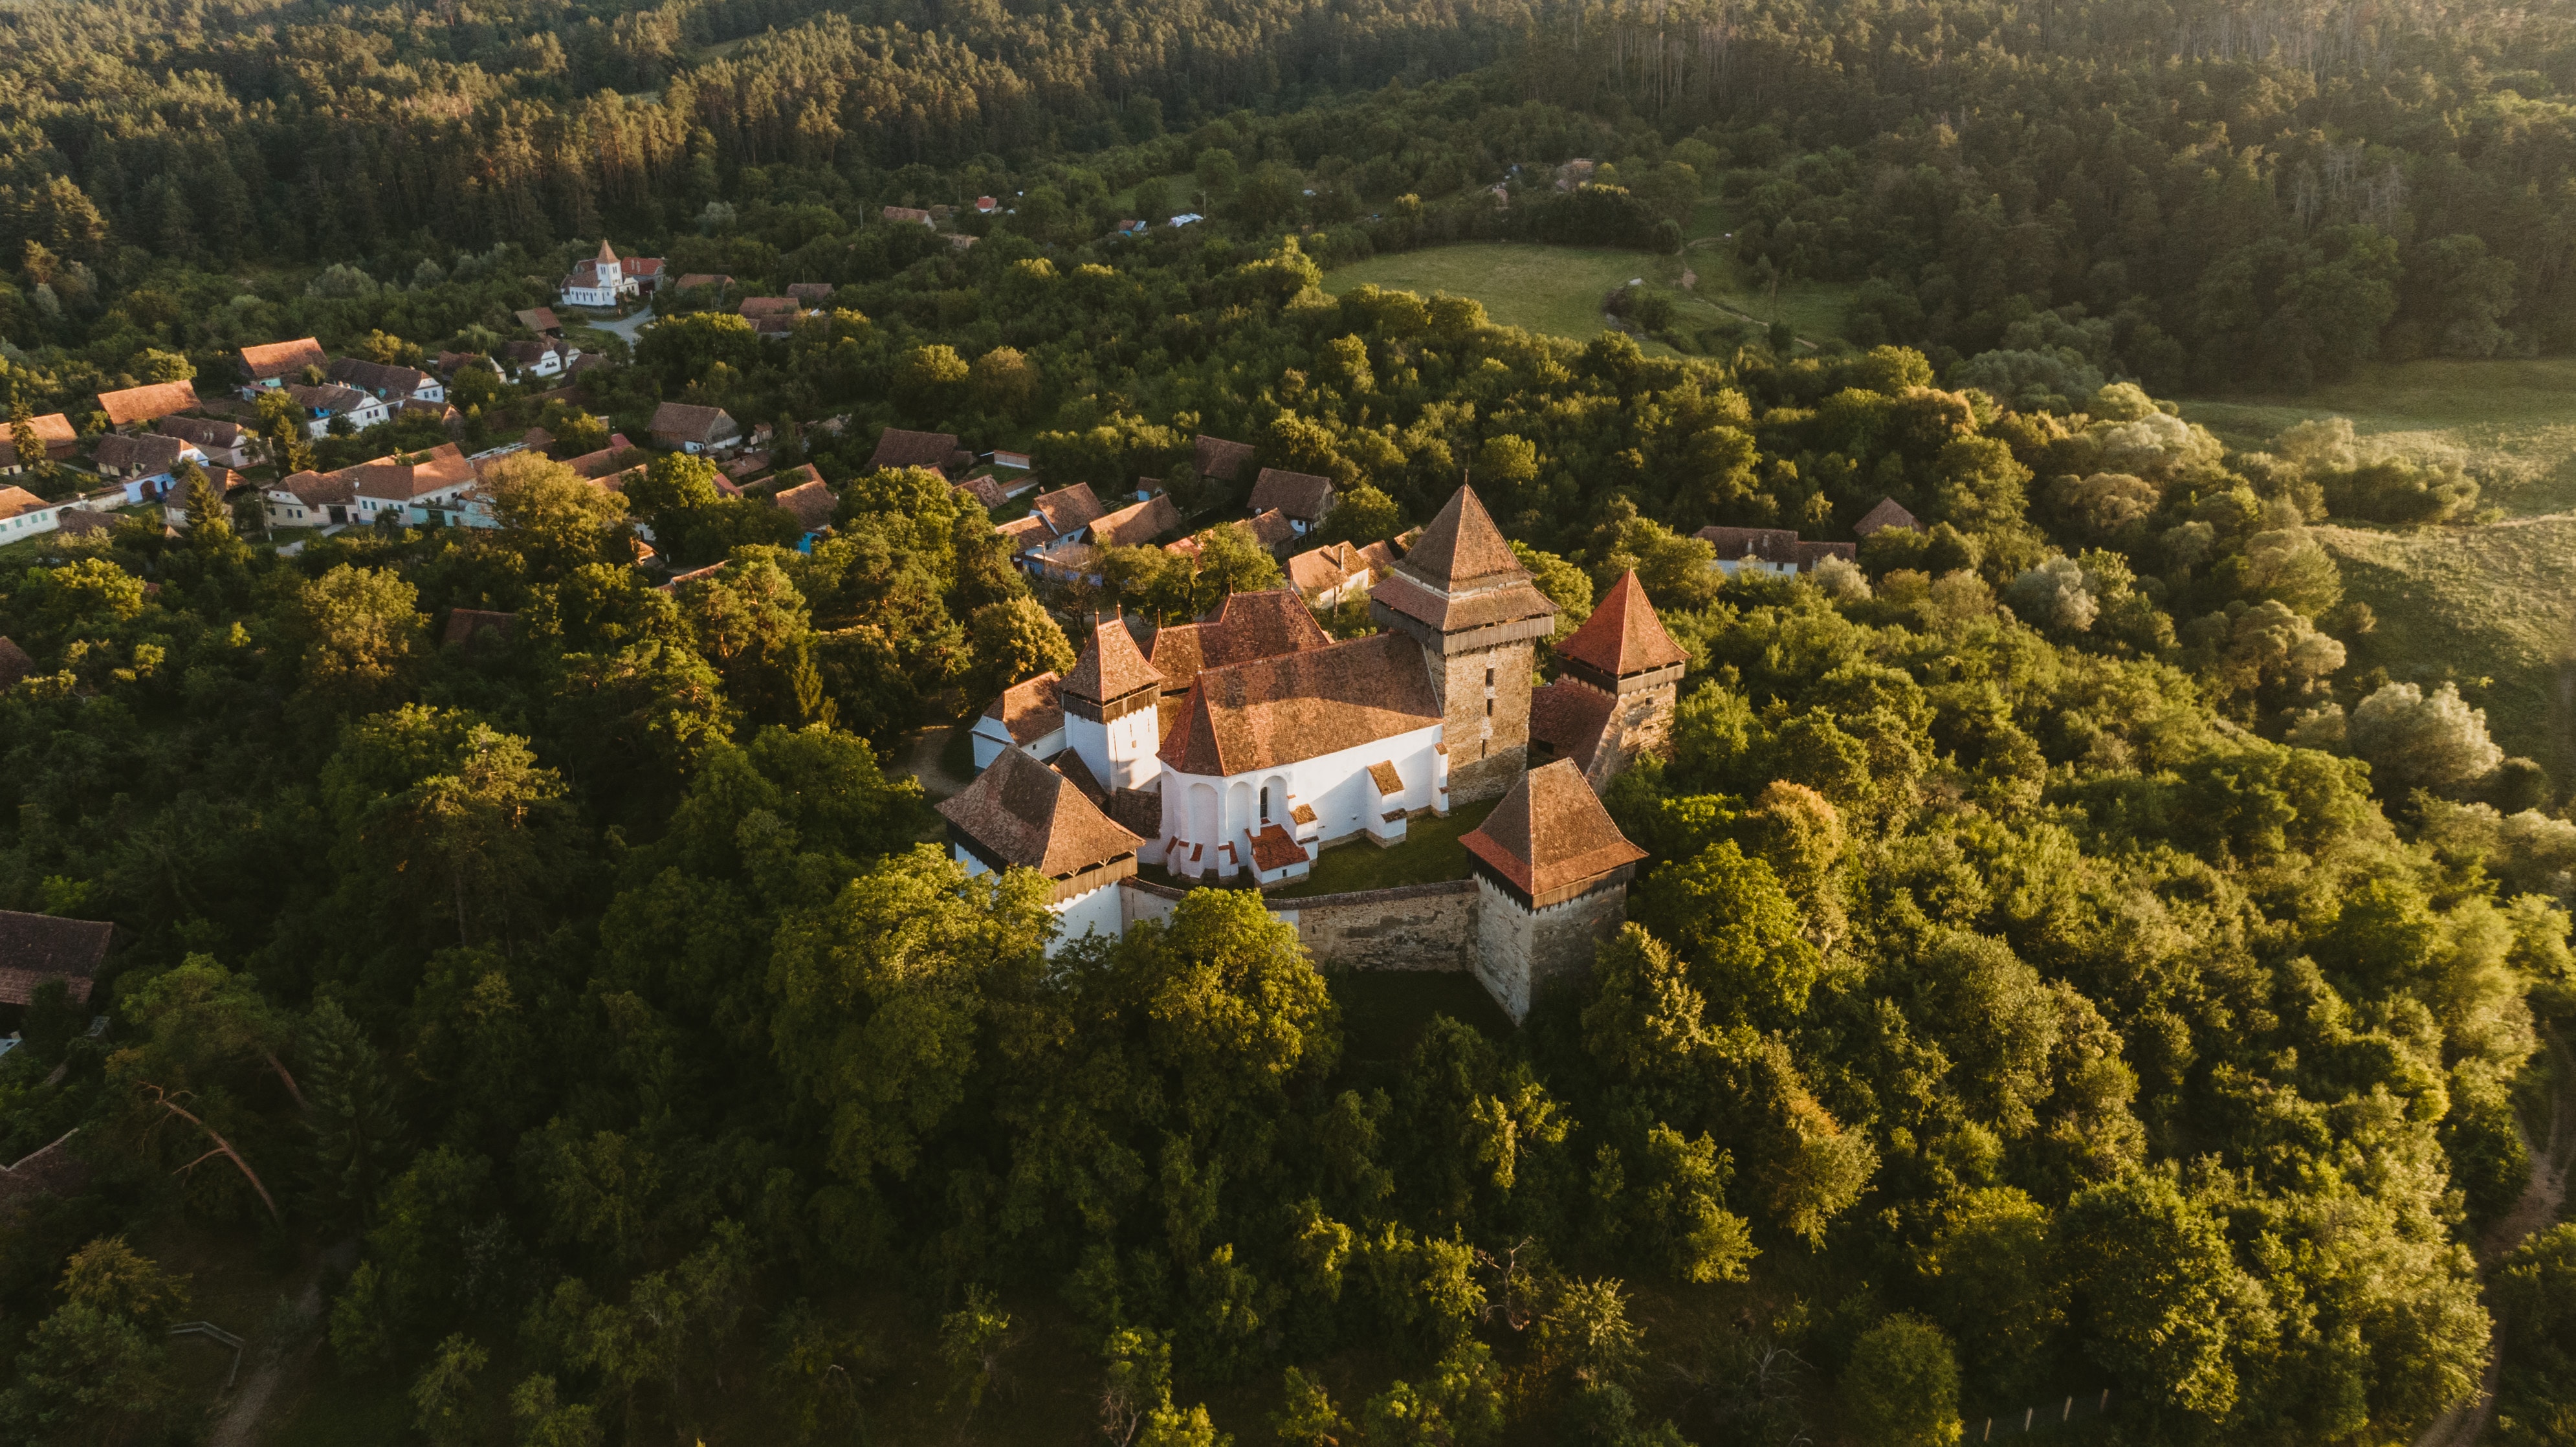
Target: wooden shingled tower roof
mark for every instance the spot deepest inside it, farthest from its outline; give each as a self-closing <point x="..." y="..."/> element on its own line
<point x="1460" y="574"/>
<point x="1549" y="839"/>
<point x="1019" y="811"/>
<point x="1624" y="635"/>
<point x="1111" y="665"/>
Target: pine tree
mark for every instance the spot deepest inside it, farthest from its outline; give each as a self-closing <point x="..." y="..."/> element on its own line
<point x="356" y="1132"/>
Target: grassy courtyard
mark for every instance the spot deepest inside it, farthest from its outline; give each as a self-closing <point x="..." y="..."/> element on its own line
<point x="1430" y="853"/>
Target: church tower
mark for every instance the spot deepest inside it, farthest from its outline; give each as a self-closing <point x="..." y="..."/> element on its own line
<point x="1621" y="677"/>
<point x="1462" y="595"/>
<point x="1110" y="720"/>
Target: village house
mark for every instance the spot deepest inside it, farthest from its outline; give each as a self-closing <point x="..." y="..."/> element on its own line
<point x="144" y="462"/>
<point x="272" y="365"/>
<point x="394" y="385"/>
<point x="541" y="320"/>
<point x="14" y="663"/>
<point x="84" y="522"/>
<point x="331" y="403"/>
<point x="24" y="515"/>
<point x="1770" y="550"/>
<point x="309" y="500"/>
<point x="909" y="216"/>
<point x="937" y="451"/>
<point x="803" y="496"/>
<point x="148" y="403"/>
<point x="1272" y="532"/>
<point x="1076" y="554"/>
<point x="1220" y="461"/>
<point x="227" y="484"/>
<point x="36" y="949"/>
<point x="417" y="489"/>
<point x="1888" y="514"/>
<point x="1301" y="497"/>
<point x="1029" y="716"/>
<point x="539" y="358"/>
<point x="692" y="429"/>
<point x="1328" y="575"/>
<point x="227" y="443"/>
<point x="691" y="281"/>
<point x="809" y="293"/>
<point x="53" y="432"/>
<point x="986" y="491"/>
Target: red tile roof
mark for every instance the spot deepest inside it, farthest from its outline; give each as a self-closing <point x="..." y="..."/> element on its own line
<point x="35" y="948"/>
<point x="1019" y="811"/>
<point x="1246" y="626"/>
<point x="268" y="362"/>
<point x="1549" y="837"/>
<point x="53" y="432"/>
<point x="1274" y="848"/>
<point x="1301" y="495"/>
<point x="1030" y="710"/>
<point x="1888" y="514"/>
<point x="142" y="404"/>
<point x="1301" y="705"/>
<point x="1111" y="667"/>
<point x="1623" y="635"/>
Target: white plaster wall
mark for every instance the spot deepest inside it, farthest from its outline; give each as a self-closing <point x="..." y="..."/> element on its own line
<point x="1120" y="754"/>
<point x="1098" y="912"/>
<point x="1336" y="785"/>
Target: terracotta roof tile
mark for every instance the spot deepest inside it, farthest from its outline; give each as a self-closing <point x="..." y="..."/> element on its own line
<point x="1272" y="530"/>
<point x="1888" y="514"/>
<point x="1031" y="710"/>
<point x="810" y="501"/>
<point x="1019" y="811"/>
<point x="146" y="452"/>
<point x="1769" y="545"/>
<point x="1319" y="570"/>
<point x="1549" y="836"/>
<point x="1569" y="717"/>
<point x="35" y="948"/>
<point x="203" y="431"/>
<point x="1078" y="774"/>
<point x="268" y="362"/>
<point x="701" y="425"/>
<point x="1273" y="848"/>
<point x="142" y="404"/>
<point x="538" y="319"/>
<point x="1024" y="533"/>
<point x="16" y="501"/>
<point x="53" y="433"/>
<point x="986" y="491"/>
<point x="1302" y="815"/>
<point x="1219" y="458"/>
<point x="1302" y="705"/>
<point x="1301" y="495"/>
<point x="1461" y="548"/>
<point x="1137" y="525"/>
<point x="1111" y="666"/>
<point x="1068" y="509"/>
<point x="14" y="663"/>
<point x="1246" y="626"/>
<point x="1623" y="635"/>
<point x="898" y="448"/>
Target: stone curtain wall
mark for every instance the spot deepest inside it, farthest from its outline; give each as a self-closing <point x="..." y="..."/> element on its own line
<point x="1416" y="927"/>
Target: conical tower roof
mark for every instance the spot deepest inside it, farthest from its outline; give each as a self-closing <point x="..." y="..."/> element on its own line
<point x="1111" y="666"/>
<point x="1549" y="839"/>
<point x="1623" y="636"/>
<point x="1460" y="575"/>
<point x="605" y="255"/>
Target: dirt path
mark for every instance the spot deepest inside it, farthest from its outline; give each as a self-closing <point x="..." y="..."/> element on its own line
<point x="240" y="1425"/>
<point x="2464" y="1424"/>
<point x="919" y="757"/>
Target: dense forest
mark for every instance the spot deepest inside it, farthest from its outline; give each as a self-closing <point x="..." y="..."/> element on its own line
<point x="2057" y="972"/>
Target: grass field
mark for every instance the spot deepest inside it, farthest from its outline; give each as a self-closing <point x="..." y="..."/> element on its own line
<point x="1430" y="853"/>
<point x="2487" y="607"/>
<point x="2513" y="422"/>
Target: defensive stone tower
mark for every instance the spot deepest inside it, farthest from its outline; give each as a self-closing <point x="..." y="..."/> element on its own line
<point x="1462" y="595"/>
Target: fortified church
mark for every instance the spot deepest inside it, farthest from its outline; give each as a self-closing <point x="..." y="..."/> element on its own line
<point x="1246" y="744"/>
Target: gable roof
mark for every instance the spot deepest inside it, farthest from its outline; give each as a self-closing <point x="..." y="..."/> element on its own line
<point x="985" y="490"/>
<point x="14" y="663"/>
<point x="1031" y="709"/>
<point x="1548" y="838"/>
<point x="203" y="431"/>
<point x="272" y="360"/>
<point x="1271" y="530"/>
<point x="408" y="478"/>
<point x="1217" y="457"/>
<point x="691" y="423"/>
<point x="35" y="948"/>
<point x="537" y="319"/>
<point x="809" y="293"/>
<point x="381" y="378"/>
<point x="142" y="404"/>
<point x="319" y="489"/>
<point x="766" y="306"/>
<point x="1318" y="570"/>
<point x="1623" y="635"/>
<point x="1301" y="495"/>
<point x="1067" y="509"/>
<point x="1136" y="525"/>
<point x="1302" y="705"/>
<point x="1888" y="514"/>
<point x="1023" y="533"/>
<point x="899" y="448"/>
<point x="1111" y="666"/>
<point x="1019" y="811"/>
<point x="80" y="522"/>
<point x="140" y="452"/>
<point x="1568" y="718"/>
<point x="53" y="432"/>
<point x="810" y="502"/>
<point x="1460" y="574"/>
<point x="16" y="501"/>
<point x="330" y="397"/>
<point x="1246" y="626"/>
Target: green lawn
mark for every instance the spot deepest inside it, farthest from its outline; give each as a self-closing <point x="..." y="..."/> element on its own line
<point x="2512" y="421"/>
<point x="1552" y="289"/>
<point x="2488" y="607"/>
<point x="1430" y="853"/>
